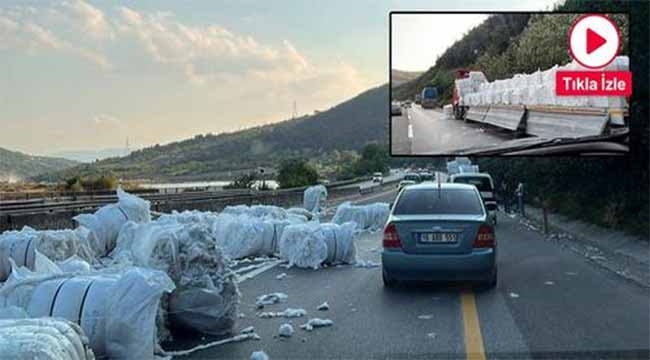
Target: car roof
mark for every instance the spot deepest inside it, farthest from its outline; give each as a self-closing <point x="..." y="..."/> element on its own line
<point x="485" y="175"/>
<point x="442" y="186"/>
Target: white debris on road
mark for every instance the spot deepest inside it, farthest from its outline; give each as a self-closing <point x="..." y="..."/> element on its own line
<point x="259" y="355"/>
<point x="281" y="276"/>
<point x="316" y="323"/>
<point x="425" y="317"/>
<point x="286" y="330"/>
<point x="366" y="264"/>
<point x="247" y="330"/>
<point x="270" y="299"/>
<point x="514" y="295"/>
<point x="549" y="283"/>
<point x="287" y="313"/>
<point x="323" y="307"/>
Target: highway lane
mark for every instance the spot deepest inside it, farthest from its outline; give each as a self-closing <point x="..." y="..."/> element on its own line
<point x="428" y="132"/>
<point x="550" y="303"/>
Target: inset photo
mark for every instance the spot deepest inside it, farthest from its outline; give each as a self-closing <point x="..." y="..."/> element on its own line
<point x="509" y="84"/>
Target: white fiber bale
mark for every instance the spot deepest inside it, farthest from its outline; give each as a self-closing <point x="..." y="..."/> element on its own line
<point x="43" y="338"/>
<point x="304" y="245"/>
<point x="106" y="222"/>
<point x="314" y="198"/>
<point x="241" y="235"/>
<point x="340" y="242"/>
<point x="297" y="213"/>
<point x="116" y="308"/>
<point x="263" y="211"/>
<point x="74" y="264"/>
<point x="206" y="295"/>
<point x="367" y="217"/>
<point x="56" y="245"/>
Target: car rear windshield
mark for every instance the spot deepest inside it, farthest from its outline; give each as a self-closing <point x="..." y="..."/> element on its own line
<point x="434" y="201"/>
<point x="412" y="177"/>
<point x="481" y="183"/>
<point x="426" y="177"/>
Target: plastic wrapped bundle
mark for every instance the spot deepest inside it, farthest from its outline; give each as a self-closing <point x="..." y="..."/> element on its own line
<point x="115" y="309"/>
<point x="314" y="198"/>
<point x="57" y="245"/>
<point x="206" y="295"/>
<point x="106" y="222"/>
<point x="304" y="245"/>
<point x="263" y="211"/>
<point x="367" y="217"/>
<point x="340" y="242"/>
<point x="43" y="338"/>
<point x="242" y="236"/>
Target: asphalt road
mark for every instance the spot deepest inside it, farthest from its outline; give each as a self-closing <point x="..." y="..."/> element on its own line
<point x="550" y="303"/>
<point x="428" y="132"/>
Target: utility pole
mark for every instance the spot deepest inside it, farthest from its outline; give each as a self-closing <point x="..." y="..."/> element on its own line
<point x="295" y="110"/>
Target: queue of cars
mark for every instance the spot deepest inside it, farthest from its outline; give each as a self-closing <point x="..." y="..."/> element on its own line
<point x="441" y="231"/>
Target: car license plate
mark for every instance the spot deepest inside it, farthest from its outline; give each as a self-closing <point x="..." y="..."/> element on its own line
<point x="438" y="237"/>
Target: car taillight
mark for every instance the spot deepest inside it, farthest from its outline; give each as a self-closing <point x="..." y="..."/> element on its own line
<point x="484" y="237"/>
<point x="391" y="239"/>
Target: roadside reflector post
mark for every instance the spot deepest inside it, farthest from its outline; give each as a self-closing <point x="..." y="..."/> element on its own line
<point x="545" y="215"/>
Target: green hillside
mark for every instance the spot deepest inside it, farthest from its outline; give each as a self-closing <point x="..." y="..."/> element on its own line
<point x="345" y="127"/>
<point x="16" y="165"/>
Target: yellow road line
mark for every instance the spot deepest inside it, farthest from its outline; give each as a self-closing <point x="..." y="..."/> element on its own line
<point x="473" y="339"/>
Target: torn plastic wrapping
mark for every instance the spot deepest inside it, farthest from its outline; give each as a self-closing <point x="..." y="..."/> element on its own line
<point x="106" y="222"/>
<point x="367" y="217"/>
<point x="206" y="296"/>
<point x="314" y="198"/>
<point x="115" y="308"/>
<point x="57" y="245"/>
<point x="43" y="338"/>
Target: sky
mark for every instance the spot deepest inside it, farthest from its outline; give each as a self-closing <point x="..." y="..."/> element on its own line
<point x="88" y="74"/>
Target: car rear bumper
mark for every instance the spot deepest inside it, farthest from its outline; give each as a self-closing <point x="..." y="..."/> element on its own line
<point x="476" y="266"/>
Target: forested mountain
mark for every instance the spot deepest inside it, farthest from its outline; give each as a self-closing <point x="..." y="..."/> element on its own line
<point x="347" y="126"/>
<point x="16" y="165"/>
<point x="399" y="77"/>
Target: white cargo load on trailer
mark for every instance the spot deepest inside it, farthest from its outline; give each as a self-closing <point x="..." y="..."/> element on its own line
<point x="504" y="103"/>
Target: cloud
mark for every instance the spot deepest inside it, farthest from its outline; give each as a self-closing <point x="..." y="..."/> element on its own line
<point x="38" y="30"/>
<point x="89" y="19"/>
<point x="212" y="56"/>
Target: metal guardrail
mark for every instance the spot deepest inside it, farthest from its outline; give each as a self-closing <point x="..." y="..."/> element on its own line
<point x="507" y="117"/>
<point x="477" y="113"/>
<point x="554" y="123"/>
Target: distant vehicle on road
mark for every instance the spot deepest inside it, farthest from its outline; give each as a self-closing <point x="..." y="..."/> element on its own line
<point x="412" y="177"/>
<point x="427" y="176"/>
<point x="378" y="178"/>
<point x="485" y="186"/>
<point x="418" y="99"/>
<point x="439" y="232"/>
<point x="395" y="109"/>
<point x="404" y="183"/>
<point x="429" y="97"/>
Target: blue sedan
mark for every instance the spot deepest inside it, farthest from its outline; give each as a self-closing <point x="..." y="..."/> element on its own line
<point x="439" y="232"/>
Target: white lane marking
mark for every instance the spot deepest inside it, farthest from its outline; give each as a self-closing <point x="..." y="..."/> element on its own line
<point x="252" y="274"/>
<point x="410" y="131"/>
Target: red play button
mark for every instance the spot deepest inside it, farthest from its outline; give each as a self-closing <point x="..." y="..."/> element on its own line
<point x="594" y="41"/>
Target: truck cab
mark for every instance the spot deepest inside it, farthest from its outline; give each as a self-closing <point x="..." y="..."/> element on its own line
<point x="429" y="97"/>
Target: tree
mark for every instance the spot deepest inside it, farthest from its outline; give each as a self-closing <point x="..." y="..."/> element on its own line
<point x="242" y="182"/>
<point x="374" y="158"/>
<point x="296" y="173"/>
